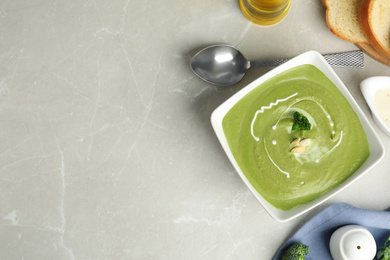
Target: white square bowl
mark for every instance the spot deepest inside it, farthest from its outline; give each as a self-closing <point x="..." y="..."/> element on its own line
<point x="315" y="59"/>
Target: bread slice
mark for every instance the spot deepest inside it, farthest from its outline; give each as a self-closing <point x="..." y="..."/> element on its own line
<point x="375" y="19"/>
<point x="343" y="19"/>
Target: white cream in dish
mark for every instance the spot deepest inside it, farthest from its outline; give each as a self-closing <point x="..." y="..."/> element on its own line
<point x="375" y="90"/>
<point x="382" y="104"/>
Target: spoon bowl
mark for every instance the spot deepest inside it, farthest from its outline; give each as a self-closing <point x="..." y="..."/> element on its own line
<point x="221" y="65"/>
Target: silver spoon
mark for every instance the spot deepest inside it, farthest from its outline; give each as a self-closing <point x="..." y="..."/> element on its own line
<point x="223" y="65"/>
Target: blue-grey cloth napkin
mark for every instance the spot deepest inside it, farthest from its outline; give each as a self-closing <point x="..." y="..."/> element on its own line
<point x="317" y="231"/>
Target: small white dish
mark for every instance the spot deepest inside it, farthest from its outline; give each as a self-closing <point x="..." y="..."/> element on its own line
<point x="369" y="87"/>
<point x="352" y="242"/>
<point x="317" y="60"/>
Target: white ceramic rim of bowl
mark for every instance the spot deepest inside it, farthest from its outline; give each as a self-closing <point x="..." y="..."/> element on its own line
<point x="316" y="59"/>
<point x="369" y="87"/>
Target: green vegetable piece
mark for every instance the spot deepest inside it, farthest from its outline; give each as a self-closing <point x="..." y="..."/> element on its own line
<point x="300" y="122"/>
<point x="384" y="252"/>
<point x="296" y="252"/>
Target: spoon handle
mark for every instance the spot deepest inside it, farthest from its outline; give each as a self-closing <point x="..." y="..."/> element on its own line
<point x="351" y="59"/>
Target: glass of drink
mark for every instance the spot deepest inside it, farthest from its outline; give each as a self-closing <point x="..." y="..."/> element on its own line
<point x="265" y="12"/>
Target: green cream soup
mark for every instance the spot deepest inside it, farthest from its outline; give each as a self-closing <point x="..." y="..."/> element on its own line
<point x="259" y="133"/>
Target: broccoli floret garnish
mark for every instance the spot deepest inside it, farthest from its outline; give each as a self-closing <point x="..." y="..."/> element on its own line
<point x="296" y="252"/>
<point x="384" y="252"/>
<point x="300" y="122"/>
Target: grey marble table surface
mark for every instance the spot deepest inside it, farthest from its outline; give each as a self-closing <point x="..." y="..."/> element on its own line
<point x="106" y="146"/>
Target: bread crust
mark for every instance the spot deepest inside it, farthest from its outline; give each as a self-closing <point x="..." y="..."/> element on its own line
<point x="359" y="37"/>
<point x="366" y="19"/>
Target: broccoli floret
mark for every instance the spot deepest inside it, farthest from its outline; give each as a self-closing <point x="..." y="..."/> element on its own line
<point x="296" y="252"/>
<point x="384" y="252"/>
<point x="300" y="122"/>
